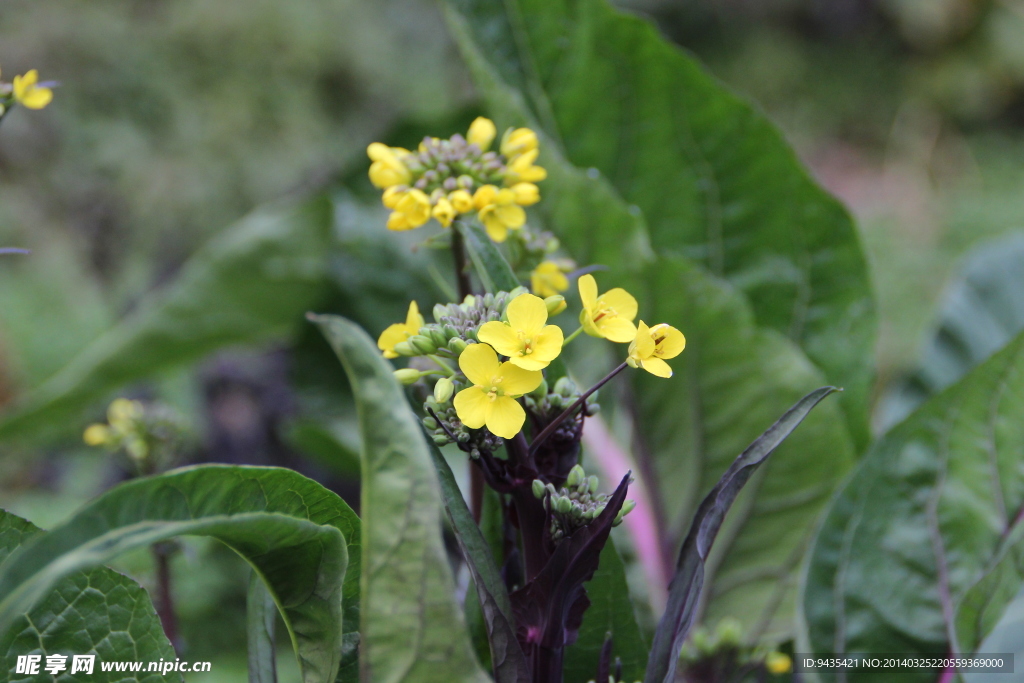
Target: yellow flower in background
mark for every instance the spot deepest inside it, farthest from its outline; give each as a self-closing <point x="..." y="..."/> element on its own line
<point x="399" y="332"/>
<point x="412" y="209"/>
<point x="548" y="279"/>
<point x="518" y="141"/>
<point x="97" y="435"/>
<point x="491" y="401"/>
<point x="778" y="663"/>
<point x="444" y="212"/>
<point x="522" y="170"/>
<point x="653" y="345"/>
<point x="461" y="200"/>
<point x="528" y="341"/>
<point x="387" y="168"/>
<point x="28" y="92"/>
<point x="609" y="315"/>
<point x="526" y="194"/>
<point x="498" y="211"/>
<point x="481" y="133"/>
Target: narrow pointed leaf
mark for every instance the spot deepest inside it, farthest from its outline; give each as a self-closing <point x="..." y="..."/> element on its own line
<point x="410" y="620"/>
<point x="261" y="617"/>
<point x="686" y="586"/>
<point x="492" y="268"/>
<point x="507" y="656"/>
<point x="288" y="527"/>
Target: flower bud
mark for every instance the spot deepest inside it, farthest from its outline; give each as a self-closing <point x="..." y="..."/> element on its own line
<point x="729" y="632"/>
<point x="564" y="387"/>
<point x="430" y="423"/>
<point x="576" y="475"/>
<point x="517" y="291"/>
<point x="555" y="304"/>
<point x="456" y="345"/>
<point x="422" y="344"/>
<point x="627" y="507"/>
<point x="404" y="348"/>
<point x="592" y="482"/>
<point x="443" y="390"/>
<point x="541" y="391"/>
<point x="407" y="376"/>
<point x="440" y="439"/>
<point x="436" y="336"/>
<point x="538" y="489"/>
<point x="96" y="435"/>
<point x="563" y="505"/>
<point x="481" y="133"/>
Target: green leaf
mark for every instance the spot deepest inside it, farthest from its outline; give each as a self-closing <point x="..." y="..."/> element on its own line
<point x="250" y="284"/>
<point x="492" y="268"/>
<point x="982" y="309"/>
<point x="732" y="382"/>
<point x="97" y="612"/>
<point x="508" y="660"/>
<point x="925" y="517"/>
<point x="1007" y="636"/>
<point x="290" y="529"/>
<point x="715" y="181"/>
<point x="688" y="582"/>
<point x="261" y="615"/>
<point x="611" y="611"/>
<point x="412" y="629"/>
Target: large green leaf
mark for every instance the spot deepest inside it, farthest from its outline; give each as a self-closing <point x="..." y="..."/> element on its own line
<point x="97" y="612"/>
<point x="261" y="617"/>
<point x="610" y="612"/>
<point x="926" y="516"/>
<point x="714" y="179"/>
<point x="290" y="529"/>
<point x="250" y="284"/>
<point x="412" y="629"/>
<point x="731" y="383"/>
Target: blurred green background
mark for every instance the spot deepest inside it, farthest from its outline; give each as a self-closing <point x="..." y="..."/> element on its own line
<point x="174" y="119"/>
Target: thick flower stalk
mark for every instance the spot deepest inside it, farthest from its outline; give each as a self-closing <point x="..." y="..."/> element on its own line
<point x="444" y="179"/>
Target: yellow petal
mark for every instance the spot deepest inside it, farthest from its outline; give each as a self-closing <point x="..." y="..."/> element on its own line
<point x="391" y="336"/>
<point x="413" y="319"/>
<point x="506" y="417"/>
<point x="479" y="363"/>
<point x="622" y="301"/>
<point x="392" y="196"/>
<point x="461" y="200"/>
<point x="616" y="329"/>
<point x="484" y="196"/>
<point x="472" y="406"/>
<point x="524" y="161"/>
<point x="526" y="194"/>
<point x="518" y="141"/>
<point x="673" y="342"/>
<point x="513" y="216"/>
<point x="588" y="290"/>
<point x="378" y="151"/>
<point x="96" y="435"/>
<point x="481" y="133"/>
<point x="527" y="314"/>
<point x="548" y="344"/>
<point x="37" y="98"/>
<point x="398" y="221"/>
<point x="516" y="381"/>
<point x="502" y="337"/>
<point x="644" y="348"/>
<point x="656" y="367"/>
<point x="496" y="230"/>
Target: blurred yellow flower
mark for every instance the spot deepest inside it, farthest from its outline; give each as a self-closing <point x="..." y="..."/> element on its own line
<point x="412" y="209"/>
<point x="28" y="92"/>
<point x="518" y="141"/>
<point x="481" y="133"/>
<point x="498" y="211"/>
<point x="527" y="339"/>
<point x="491" y="401"/>
<point x="97" y="435"/>
<point x="653" y="345"/>
<point x="548" y="279"/>
<point x="609" y="315"/>
<point x="387" y="168"/>
<point x="778" y="663"/>
<point x="399" y="332"/>
<point x="522" y="170"/>
<point x="444" y="212"/>
<point x="461" y="200"/>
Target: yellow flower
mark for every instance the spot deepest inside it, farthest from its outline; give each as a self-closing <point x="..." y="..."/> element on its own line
<point x="498" y="211"/>
<point x="526" y="339"/>
<point x="548" y="279"/>
<point x="522" y="170"/>
<point x="527" y="194"/>
<point x="491" y="401"/>
<point x="481" y="133"/>
<point x="653" y="345"/>
<point x="444" y="212"/>
<point x="96" y="435"/>
<point x="609" y="315"/>
<point x="412" y="209"/>
<point x="393" y="195"/>
<point x="518" y="141"/>
<point x="29" y="93"/>
<point x="123" y="412"/>
<point x="387" y="168"/>
<point x="461" y="200"/>
<point x="778" y="663"/>
<point x="399" y="332"/>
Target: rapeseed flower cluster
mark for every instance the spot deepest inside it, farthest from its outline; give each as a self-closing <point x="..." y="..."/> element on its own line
<point x="25" y="90"/>
<point x="444" y="179"/>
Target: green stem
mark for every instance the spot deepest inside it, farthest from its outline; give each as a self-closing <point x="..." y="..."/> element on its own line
<point x="449" y="370"/>
<point x="572" y="336"/>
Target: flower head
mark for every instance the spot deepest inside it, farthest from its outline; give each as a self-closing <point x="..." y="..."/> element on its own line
<point x="481" y="133"/>
<point x="491" y="401"/>
<point x="526" y="339"/>
<point x="499" y="211"/>
<point x="609" y="315"/>
<point x="388" y="169"/>
<point x="548" y="278"/>
<point x="653" y="345"/>
<point x="28" y="92"/>
<point x="399" y="332"/>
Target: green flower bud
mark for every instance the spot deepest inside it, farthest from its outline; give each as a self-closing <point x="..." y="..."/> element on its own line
<point x="576" y="475"/>
<point x="563" y="505"/>
<point x="592" y="482"/>
<point x="538" y="489"/>
<point x="729" y="632"/>
<point x="422" y="344"/>
<point x="443" y="390"/>
<point x="404" y="348"/>
<point x="440" y="310"/>
<point x="457" y="346"/>
<point x="516" y="292"/>
<point x="450" y="331"/>
<point x="541" y="391"/>
<point x="555" y="304"/>
<point x="627" y="507"/>
<point x="564" y="387"/>
<point x="437" y="337"/>
<point x="407" y="376"/>
<point x="430" y="423"/>
<point x="440" y="439"/>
